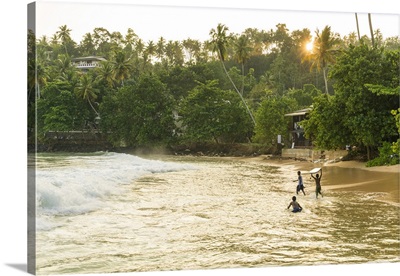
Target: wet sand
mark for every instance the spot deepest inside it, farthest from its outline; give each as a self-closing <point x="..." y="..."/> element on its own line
<point x="384" y="179"/>
<point x="345" y="175"/>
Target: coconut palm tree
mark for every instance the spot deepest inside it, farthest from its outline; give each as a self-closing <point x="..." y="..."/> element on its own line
<point x="130" y="38"/>
<point x="169" y="51"/>
<point x="86" y="90"/>
<point x="160" y="48"/>
<point x="43" y="50"/>
<point x="191" y="48"/>
<point x="371" y="30"/>
<point x="105" y="74"/>
<point x="37" y="78"/>
<point x="64" y="34"/>
<point x="116" y="40"/>
<point x="101" y="36"/>
<point x="139" y="47"/>
<point x="358" y="27"/>
<point x="219" y="43"/>
<point x="196" y="49"/>
<point x="54" y="40"/>
<point x="150" y="50"/>
<point x="121" y="66"/>
<point x="323" y="52"/>
<point x="242" y="53"/>
<point x="87" y="45"/>
<point x="41" y="77"/>
<point x="63" y="69"/>
<point x="178" y="53"/>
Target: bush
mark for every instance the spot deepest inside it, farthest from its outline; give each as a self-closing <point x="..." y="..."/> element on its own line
<point x="386" y="156"/>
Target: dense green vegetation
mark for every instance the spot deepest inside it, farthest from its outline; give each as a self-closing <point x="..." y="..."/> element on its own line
<point x="232" y="88"/>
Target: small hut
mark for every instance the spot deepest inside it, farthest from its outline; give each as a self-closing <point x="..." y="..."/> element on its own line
<point x="296" y="131"/>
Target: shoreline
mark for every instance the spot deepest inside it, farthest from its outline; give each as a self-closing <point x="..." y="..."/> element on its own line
<point x="308" y="165"/>
<point x="384" y="180"/>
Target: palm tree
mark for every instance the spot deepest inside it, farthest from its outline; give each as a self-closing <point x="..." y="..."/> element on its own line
<point x="87" y="45"/>
<point x="86" y="90"/>
<point x="63" y="65"/>
<point x="63" y="68"/>
<point x="350" y="39"/>
<point x="102" y="41"/>
<point x="101" y="36"/>
<point x="358" y="28"/>
<point x="169" y="51"/>
<point x="196" y="49"/>
<point x="54" y="40"/>
<point x="43" y="50"/>
<point x="242" y="54"/>
<point x="37" y="77"/>
<point x="256" y="40"/>
<point x="371" y="30"/>
<point x="191" y="47"/>
<point x="178" y="53"/>
<point x="150" y="50"/>
<point x="130" y="38"/>
<point x="219" y="42"/>
<point x="139" y="46"/>
<point x="121" y="66"/>
<point x="323" y="52"/>
<point x="378" y="38"/>
<point x="160" y="48"/>
<point x="116" y="39"/>
<point x="106" y="74"/>
<point x="64" y="34"/>
<point x="41" y="77"/>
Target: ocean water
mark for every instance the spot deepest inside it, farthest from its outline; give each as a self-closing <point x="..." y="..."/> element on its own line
<point x="112" y="212"/>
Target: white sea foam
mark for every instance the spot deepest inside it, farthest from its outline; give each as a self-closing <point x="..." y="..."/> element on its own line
<point x="77" y="184"/>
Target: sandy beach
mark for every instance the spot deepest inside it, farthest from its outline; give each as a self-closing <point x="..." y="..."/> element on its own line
<point x="357" y="177"/>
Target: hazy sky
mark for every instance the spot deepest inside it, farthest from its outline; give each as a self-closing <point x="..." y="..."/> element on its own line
<point x="151" y="22"/>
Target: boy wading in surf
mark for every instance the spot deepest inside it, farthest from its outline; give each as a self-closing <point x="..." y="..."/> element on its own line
<point x="296" y="206"/>
<point x="317" y="179"/>
<point x="300" y="185"/>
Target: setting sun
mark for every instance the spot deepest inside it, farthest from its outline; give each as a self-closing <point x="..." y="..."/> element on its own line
<point x="310" y="46"/>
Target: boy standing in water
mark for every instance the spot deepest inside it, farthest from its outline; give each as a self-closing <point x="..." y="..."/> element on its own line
<point x="317" y="179"/>
<point x="300" y="185"/>
<point x="296" y="206"/>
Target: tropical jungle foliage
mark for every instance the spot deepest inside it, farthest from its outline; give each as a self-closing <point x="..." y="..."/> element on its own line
<point x="232" y="88"/>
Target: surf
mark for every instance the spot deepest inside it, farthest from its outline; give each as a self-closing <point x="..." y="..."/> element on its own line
<point x="73" y="184"/>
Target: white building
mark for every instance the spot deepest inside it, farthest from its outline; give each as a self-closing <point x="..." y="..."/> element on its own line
<point x="86" y="63"/>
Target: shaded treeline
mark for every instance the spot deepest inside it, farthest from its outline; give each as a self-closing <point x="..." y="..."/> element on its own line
<point x="232" y="88"/>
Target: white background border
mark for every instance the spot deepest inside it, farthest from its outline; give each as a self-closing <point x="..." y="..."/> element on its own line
<point x="13" y="196"/>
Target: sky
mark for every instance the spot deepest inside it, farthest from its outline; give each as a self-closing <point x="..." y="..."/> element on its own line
<point x="13" y="17"/>
<point x="150" y="22"/>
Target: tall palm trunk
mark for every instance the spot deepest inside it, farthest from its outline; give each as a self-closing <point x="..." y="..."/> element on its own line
<point x="241" y="97"/>
<point x="325" y="79"/>
<point x="242" y="90"/>
<point x="95" y="111"/>
<point x="220" y="41"/>
<point x="371" y="30"/>
<point x="38" y="91"/>
<point x="358" y="28"/>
